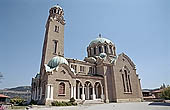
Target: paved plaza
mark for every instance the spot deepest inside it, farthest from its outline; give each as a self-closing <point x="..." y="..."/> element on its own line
<point x="113" y="106"/>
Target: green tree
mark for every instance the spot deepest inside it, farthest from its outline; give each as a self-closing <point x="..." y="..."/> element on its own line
<point x="165" y="94"/>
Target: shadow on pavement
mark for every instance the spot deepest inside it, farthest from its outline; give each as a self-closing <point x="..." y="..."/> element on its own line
<point x="159" y="104"/>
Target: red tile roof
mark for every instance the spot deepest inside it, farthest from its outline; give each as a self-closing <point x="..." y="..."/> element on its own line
<point x="4" y="96"/>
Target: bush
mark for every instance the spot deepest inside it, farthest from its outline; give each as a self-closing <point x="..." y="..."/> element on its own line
<point x="33" y="102"/>
<point x="57" y="103"/>
<point x="17" y="101"/>
<point x="165" y="94"/>
<point x="72" y="100"/>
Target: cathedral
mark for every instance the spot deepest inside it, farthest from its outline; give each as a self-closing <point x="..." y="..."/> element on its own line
<point x="102" y="75"/>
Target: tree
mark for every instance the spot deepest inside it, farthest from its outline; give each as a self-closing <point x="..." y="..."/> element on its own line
<point x="165" y="94"/>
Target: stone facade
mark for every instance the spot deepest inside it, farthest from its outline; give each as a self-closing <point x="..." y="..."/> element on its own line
<point x="102" y="75"/>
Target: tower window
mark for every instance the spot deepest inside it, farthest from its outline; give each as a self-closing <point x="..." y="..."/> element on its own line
<point x="105" y="49"/>
<point x="56" y="29"/>
<point x="100" y="49"/>
<point x="111" y="51"/>
<point x="55" y="46"/>
<point x="54" y="10"/>
<point x="61" y="88"/>
<point x="94" y="50"/>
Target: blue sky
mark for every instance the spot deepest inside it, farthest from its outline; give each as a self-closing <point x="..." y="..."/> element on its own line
<point x="139" y="28"/>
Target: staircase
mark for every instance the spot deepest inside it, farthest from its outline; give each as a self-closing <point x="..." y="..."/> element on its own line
<point x="92" y="102"/>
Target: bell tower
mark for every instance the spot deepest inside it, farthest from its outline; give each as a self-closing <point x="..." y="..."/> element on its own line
<point x="54" y="35"/>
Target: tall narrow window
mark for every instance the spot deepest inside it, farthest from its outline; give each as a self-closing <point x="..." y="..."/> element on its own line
<point x="94" y="50"/>
<point x="61" y="88"/>
<point x="105" y="49"/>
<point x="111" y="51"/>
<point x="127" y="85"/>
<point x="81" y="68"/>
<point x="100" y="49"/>
<point x="56" y="29"/>
<point x="90" y="52"/>
<point x="123" y="82"/>
<point x="54" y="10"/>
<point x="55" y="46"/>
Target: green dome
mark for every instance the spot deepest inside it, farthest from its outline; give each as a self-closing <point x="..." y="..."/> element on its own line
<point x="101" y="40"/>
<point x="55" y="61"/>
<point x="103" y="55"/>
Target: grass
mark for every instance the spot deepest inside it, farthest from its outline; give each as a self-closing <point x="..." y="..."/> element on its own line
<point x="18" y="107"/>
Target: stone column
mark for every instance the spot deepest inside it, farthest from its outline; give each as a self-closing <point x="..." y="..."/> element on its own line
<point x="88" y="92"/>
<point x="105" y="91"/>
<point x="93" y="95"/>
<point x="47" y="91"/>
<point x="72" y="92"/>
<point x="102" y="95"/>
<point x="40" y="93"/>
<point x="78" y="92"/>
<point x="37" y="94"/>
<point x="83" y="95"/>
<point x="51" y="97"/>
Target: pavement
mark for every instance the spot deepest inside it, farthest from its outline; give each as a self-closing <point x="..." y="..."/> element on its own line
<point x="112" y="106"/>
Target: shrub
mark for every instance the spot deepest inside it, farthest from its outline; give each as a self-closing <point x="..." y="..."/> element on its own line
<point x="165" y="94"/>
<point x="57" y="103"/>
<point x="72" y="100"/>
<point x="33" y="102"/>
<point x="17" y="101"/>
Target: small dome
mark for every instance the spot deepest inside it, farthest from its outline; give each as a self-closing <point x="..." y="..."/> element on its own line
<point x="55" y="61"/>
<point x="101" y="40"/>
<point x="103" y="55"/>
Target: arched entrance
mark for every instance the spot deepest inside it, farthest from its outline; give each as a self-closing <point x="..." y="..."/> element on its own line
<point x="88" y="90"/>
<point x="78" y="89"/>
<point x="98" y="90"/>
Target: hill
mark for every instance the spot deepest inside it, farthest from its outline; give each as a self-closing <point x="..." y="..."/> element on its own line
<point x="20" y="91"/>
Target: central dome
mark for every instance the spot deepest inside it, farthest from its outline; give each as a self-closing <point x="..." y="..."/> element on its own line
<point x="101" y="40"/>
<point x="55" y="61"/>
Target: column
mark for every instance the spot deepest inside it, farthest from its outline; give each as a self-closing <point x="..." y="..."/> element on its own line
<point x="47" y="91"/>
<point x="83" y="95"/>
<point x="78" y="92"/>
<point x="72" y="91"/>
<point x="88" y="92"/>
<point x="102" y="95"/>
<point x="93" y="95"/>
<point x="51" y="97"/>
<point x="74" y="94"/>
<point x="37" y="94"/>
<point x="40" y="93"/>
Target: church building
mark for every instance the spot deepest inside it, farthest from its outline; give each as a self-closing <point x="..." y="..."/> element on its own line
<point x="102" y="75"/>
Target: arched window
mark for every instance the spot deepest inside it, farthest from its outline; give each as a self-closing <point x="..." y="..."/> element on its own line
<point x="62" y="88"/>
<point x="111" y="51"/>
<point x="105" y="48"/>
<point x="100" y="49"/>
<point x="94" y="50"/>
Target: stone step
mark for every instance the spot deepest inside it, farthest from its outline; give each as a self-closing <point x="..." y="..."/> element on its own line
<point x="92" y="102"/>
